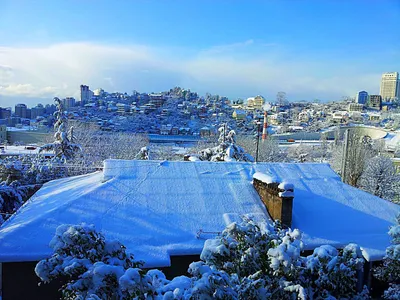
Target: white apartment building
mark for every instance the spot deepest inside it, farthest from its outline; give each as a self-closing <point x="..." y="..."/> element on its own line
<point x="256" y="102"/>
<point x="390" y="86"/>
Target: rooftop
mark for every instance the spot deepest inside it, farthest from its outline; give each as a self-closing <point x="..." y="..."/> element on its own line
<point x="157" y="208"/>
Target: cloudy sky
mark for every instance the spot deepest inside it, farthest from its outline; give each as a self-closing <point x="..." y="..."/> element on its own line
<point x="309" y="49"/>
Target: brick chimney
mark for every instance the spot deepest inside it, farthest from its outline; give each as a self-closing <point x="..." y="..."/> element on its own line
<point x="276" y="196"/>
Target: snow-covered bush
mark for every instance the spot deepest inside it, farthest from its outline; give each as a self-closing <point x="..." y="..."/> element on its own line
<point x="12" y="195"/>
<point x="248" y="260"/>
<point x="390" y="270"/>
<point x="264" y="259"/>
<point x="92" y="265"/>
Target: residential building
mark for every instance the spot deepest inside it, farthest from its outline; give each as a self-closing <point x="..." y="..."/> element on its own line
<point x="375" y="102"/>
<point x="340" y="117"/>
<point x="356" y="107"/>
<point x="177" y="206"/>
<point x="5" y="113"/>
<point x="20" y="110"/>
<point x="255" y="103"/>
<point x="390" y="86"/>
<point x="157" y="100"/>
<point x="123" y="108"/>
<point x="85" y="95"/>
<point x="362" y="97"/>
<point x="38" y="111"/>
<point x="239" y="114"/>
<point x="3" y="133"/>
<point x="68" y="102"/>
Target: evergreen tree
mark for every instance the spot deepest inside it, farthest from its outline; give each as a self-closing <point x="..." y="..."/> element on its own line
<point x="62" y="147"/>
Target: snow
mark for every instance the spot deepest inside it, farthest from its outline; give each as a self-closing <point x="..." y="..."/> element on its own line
<point x="286" y="194"/>
<point x="20" y="150"/>
<point x="157" y="208"/>
<point x="286" y="186"/>
<point x="265" y="178"/>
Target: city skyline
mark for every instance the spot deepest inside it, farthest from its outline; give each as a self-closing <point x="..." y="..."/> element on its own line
<point x="306" y="49"/>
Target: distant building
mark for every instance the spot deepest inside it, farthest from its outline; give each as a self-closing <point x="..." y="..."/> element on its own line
<point x="5" y="113"/>
<point x="157" y="100"/>
<point x="362" y="97"/>
<point x="239" y="114"/>
<point x="375" y="102"/>
<point x="123" y="108"/>
<point x="20" y="110"/>
<point x="356" y="107"/>
<point x="255" y="103"/>
<point x="390" y="86"/>
<point x="340" y="117"/>
<point x="38" y="111"/>
<point x="28" y="113"/>
<point x="3" y="133"/>
<point x="50" y="109"/>
<point x="68" y="102"/>
<point x="85" y="95"/>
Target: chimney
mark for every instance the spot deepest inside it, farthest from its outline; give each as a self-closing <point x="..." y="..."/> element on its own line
<point x="265" y="125"/>
<point x="276" y="196"/>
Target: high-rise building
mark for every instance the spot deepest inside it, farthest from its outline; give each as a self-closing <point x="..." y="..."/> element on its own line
<point x="85" y="95"/>
<point x="37" y="111"/>
<point x="20" y="110"/>
<point x="375" y="102"/>
<point x="68" y="102"/>
<point x="362" y="97"/>
<point x="5" y="113"/>
<point x="390" y="86"/>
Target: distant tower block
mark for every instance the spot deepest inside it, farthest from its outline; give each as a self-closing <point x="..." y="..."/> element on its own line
<point x="265" y="125"/>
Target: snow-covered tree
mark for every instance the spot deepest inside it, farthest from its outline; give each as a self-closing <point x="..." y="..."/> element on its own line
<point x="143" y="154"/>
<point x="359" y="150"/>
<point x="380" y="178"/>
<point x="268" y="150"/>
<point x="98" y="145"/>
<point x="227" y="149"/>
<point x="62" y="147"/>
<point x="390" y="270"/>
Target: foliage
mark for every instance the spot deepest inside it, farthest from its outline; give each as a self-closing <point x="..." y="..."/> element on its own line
<point x="247" y="261"/>
<point x="91" y="264"/>
<point x="390" y="270"/>
<point x="380" y="178"/>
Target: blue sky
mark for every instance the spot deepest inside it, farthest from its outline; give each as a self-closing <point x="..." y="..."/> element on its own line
<point x="310" y="49"/>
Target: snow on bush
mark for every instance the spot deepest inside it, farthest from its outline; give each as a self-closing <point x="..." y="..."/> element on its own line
<point x="247" y="261"/>
<point x="227" y="150"/>
<point x="390" y="270"/>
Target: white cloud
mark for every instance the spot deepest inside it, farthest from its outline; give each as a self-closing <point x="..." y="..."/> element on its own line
<point x="241" y="69"/>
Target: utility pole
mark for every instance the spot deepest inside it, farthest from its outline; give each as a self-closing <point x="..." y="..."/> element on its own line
<point x="257" y="138"/>
<point x="344" y="155"/>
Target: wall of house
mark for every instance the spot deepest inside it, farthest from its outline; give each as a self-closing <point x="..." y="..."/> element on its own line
<point x="19" y="282"/>
<point x="22" y="274"/>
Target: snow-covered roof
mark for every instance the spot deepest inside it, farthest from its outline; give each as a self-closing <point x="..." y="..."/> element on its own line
<point x="157" y="208"/>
